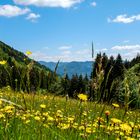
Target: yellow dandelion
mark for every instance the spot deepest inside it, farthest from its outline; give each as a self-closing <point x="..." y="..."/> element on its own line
<point x="129" y="138"/>
<point x="3" y="62"/>
<point x="115" y="105"/>
<point x="81" y="127"/>
<point x="43" y="106"/>
<point x="37" y="118"/>
<point x="83" y="97"/>
<point x="45" y="114"/>
<point x="70" y="119"/>
<point x="9" y="109"/>
<point x="28" y="53"/>
<point x="125" y="127"/>
<point x="115" y="121"/>
<point x="50" y="118"/>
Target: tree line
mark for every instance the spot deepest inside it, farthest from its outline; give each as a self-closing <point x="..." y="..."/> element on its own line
<point x="24" y="74"/>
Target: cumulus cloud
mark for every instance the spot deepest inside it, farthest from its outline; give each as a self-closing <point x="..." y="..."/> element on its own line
<point x="12" y="11"/>
<point x="65" y="47"/>
<point x="126" y="47"/>
<point x="49" y="3"/>
<point x="33" y="17"/>
<point x="125" y="19"/>
<point x="94" y="4"/>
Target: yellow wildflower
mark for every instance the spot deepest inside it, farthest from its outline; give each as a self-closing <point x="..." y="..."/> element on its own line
<point x="43" y="106"/>
<point x="89" y="130"/>
<point x="3" y="62"/>
<point x="81" y="127"/>
<point x="70" y="119"/>
<point x="82" y="97"/>
<point x="37" y="118"/>
<point x="128" y="138"/>
<point x="45" y="114"/>
<point x="125" y="127"/>
<point x="8" y="109"/>
<point x="115" y="105"/>
<point x="28" y="52"/>
<point x="115" y="121"/>
<point x="50" y="118"/>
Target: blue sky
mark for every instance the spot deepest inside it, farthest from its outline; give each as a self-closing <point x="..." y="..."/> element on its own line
<point x="65" y="29"/>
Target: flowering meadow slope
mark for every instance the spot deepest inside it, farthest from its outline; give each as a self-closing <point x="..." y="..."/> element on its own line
<point x="34" y="116"/>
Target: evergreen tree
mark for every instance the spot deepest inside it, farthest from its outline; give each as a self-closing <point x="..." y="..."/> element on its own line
<point x="81" y="84"/>
<point x="96" y="66"/>
<point x="73" y="85"/>
<point x="65" y="83"/>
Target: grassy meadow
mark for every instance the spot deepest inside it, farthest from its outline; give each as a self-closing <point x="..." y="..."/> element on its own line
<point x="47" y="117"/>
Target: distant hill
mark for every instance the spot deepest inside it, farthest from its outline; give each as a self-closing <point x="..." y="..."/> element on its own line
<point x="9" y="54"/>
<point x="20" y="72"/>
<point x="70" y="67"/>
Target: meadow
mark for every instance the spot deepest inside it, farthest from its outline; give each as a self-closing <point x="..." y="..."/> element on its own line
<point x="47" y="117"/>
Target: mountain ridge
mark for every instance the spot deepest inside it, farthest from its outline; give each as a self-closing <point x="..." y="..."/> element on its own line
<point x="71" y="68"/>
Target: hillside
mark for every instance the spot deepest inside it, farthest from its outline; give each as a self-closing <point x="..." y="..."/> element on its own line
<point x="7" y="53"/>
<point x="70" y="67"/>
<point x="20" y="72"/>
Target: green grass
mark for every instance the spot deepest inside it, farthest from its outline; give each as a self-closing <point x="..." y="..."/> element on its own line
<point x="59" y="119"/>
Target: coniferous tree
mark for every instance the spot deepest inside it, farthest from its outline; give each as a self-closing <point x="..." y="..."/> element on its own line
<point x="96" y="68"/>
<point x="65" y="83"/>
<point x="73" y="85"/>
<point x="81" y="84"/>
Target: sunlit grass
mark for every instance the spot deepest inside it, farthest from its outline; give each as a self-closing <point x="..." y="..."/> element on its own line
<point x="33" y="116"/>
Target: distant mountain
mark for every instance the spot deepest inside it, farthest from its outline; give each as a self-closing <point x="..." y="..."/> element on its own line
<point x="70" y="67"/>
<point x="10" y="54"/>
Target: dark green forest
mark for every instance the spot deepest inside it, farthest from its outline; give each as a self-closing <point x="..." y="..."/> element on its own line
<point x="112" y="79"/>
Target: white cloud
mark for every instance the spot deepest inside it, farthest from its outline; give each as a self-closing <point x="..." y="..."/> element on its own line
<point x="12" y="11"/>
<point x="125" y="19"/>
<point x="94" y="4"/>
<point x="49" y="3"/>
<point x="65" y="47"/>
<point x="126" y="47"/>
<point x="33" y="17"/>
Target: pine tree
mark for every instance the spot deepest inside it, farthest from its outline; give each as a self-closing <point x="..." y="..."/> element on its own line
<point x="81" y="84"/>
<point x="73" y="85"/>
<point x="96" y="66"/>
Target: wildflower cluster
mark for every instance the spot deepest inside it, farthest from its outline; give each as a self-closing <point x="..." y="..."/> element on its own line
<point x="56" y="117"/>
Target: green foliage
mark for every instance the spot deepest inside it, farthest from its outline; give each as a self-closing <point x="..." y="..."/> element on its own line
<point x="133" y="87"/>
<point x="49" y="118"/>
<point x="20" y="72"/>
